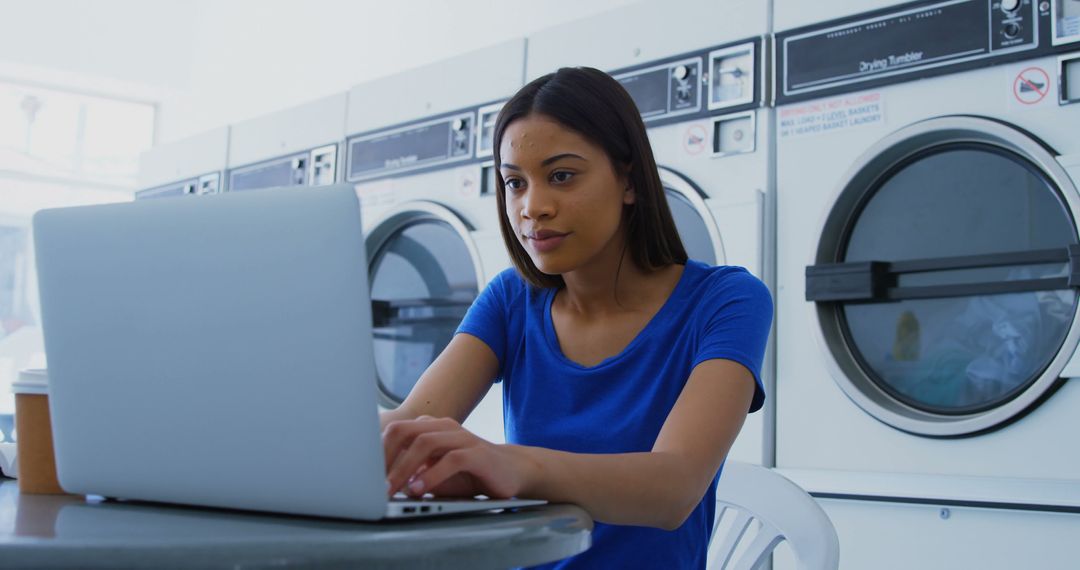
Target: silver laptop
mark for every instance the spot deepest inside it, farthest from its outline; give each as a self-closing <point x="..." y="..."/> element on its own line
<point x="217" y="351"/>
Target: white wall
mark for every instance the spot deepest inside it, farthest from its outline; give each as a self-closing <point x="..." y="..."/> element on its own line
<point x="140" y="41"/>
<point x="215" y="62"/>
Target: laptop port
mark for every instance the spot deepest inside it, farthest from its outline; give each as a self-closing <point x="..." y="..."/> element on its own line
<point x="408" y="510"/>
<point x="425" y="509"/>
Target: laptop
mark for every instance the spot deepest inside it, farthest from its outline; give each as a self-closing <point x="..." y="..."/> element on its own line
<point x="217" y="351"/>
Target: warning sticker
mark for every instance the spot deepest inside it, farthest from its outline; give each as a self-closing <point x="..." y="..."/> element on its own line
<point x="1031" y="85"/>
<point x="833" y="114"/>
<point x="468" y="184"/>
<point x="694" y="139"/>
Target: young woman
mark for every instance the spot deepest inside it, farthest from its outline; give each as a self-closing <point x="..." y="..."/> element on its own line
<point x="627" y="370"/>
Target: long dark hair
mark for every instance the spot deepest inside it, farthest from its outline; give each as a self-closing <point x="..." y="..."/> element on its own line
<point x="596" y="106"/>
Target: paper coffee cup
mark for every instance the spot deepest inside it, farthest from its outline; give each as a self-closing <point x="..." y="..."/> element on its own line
<point x="37" y="463"/>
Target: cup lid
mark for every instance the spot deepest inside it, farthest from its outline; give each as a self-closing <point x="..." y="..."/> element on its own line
<point x="31" y="381"/>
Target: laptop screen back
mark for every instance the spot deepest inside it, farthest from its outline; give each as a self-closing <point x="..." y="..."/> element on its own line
<point x="214" y="351"/>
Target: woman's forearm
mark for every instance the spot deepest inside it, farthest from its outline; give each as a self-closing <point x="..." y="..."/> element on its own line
<point x="653" y="489"/>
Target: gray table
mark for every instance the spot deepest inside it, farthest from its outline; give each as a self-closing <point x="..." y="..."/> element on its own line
<point x="73" y="531"/>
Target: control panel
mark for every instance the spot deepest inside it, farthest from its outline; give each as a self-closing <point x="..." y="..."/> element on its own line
<point x="725" y="78"/>
<point x="315" y="167"/>
<point x="908" y="42"/>
<point x="205" y="184"/>
<point x="666" y="90"/>
<point x="412" y="147"/>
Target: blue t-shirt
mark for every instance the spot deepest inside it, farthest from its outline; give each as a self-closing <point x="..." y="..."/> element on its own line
<point x="619" y="405"/>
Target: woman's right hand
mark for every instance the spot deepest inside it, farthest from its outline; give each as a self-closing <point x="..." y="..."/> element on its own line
<point x="439" y="456"/>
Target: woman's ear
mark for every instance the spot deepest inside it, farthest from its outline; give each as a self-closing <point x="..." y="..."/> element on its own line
<point x="629" y="196"/>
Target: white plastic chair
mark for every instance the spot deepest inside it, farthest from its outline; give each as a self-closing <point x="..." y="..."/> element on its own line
<point x="784" y="511"/>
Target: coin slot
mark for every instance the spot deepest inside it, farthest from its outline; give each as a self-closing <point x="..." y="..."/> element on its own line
<point x="734" y="134"/>
<point x="323" y="165"/>
<point x="1069" y="80"/>
<point x="731" y="76"/>
<point x="487" y="179"/>
<point x="208" y="184"/>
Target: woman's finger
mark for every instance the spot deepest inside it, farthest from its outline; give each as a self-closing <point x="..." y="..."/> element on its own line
<point x="457" y="485"/>
<point x="454" y="462"/>
<point x="425" y="449"/>
<point x="398" y="435"/>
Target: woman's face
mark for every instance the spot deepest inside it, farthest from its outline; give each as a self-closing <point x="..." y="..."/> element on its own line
<point x="564" y="199"/>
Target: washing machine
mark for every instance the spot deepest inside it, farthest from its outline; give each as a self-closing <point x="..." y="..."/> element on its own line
<point x="927" y="177"/>
<point x="188" y="167"/>
<point x="293" y="147"/>
<point x="698" y="73"/>
<point x="419" y="152"/>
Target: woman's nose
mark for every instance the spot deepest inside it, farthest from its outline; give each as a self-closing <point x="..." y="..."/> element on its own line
<point x="537" y="204"/>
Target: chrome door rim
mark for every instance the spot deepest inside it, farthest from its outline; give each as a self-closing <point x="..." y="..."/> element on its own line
<point x="838" y="356"/>
<point x="678" y="183"/>
<point x="398" y="218"/>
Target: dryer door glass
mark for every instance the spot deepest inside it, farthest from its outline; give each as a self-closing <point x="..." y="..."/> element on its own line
<point x="964" y="329"/>
<point x="691" y="227"/>
<point x="422" y="282"/>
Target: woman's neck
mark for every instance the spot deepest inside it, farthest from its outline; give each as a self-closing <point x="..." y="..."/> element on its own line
<point x="616" y="284"/>
<point x="603" y="288"/>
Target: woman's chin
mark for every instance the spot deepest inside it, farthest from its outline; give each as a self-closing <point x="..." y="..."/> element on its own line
<point x="548" y="266"/>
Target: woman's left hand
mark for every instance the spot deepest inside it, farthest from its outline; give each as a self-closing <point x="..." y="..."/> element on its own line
<point x="439" y="456"/>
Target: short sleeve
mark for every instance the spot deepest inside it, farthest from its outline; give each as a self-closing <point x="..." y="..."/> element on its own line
<point x="736" y="325"/>
<point x="488" y="316"/>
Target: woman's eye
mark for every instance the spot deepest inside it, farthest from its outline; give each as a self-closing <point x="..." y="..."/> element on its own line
<point x="561" y="176"/>
<point x="512" y="183"/>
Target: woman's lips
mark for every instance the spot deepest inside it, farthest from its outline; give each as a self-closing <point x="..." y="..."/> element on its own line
<point x="543" y="242"/>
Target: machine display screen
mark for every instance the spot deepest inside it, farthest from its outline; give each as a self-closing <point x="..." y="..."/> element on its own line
<point x="276" y="173"/>
<point x="177" y="189"/>
<point x="903" y="42"/>
<point x="398" y="150"/>
<point x="649" y="90"/>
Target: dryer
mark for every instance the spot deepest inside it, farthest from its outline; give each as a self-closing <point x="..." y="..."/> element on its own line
<point x="188" y="167"/>
<point x="927" y="176"/>
<point x="293" y="147"/>
<point x="419" y="152"/>
<point x="698" y="73"/>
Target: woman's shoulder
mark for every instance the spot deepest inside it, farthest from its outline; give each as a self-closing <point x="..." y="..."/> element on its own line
<point x="721" y="275"/>
<point x="510" y="285"/>
<point x="509" y="280"/>
<point x="724" y="281"/>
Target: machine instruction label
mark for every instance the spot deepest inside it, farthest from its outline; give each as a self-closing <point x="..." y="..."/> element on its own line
<point x="832" y="114"/>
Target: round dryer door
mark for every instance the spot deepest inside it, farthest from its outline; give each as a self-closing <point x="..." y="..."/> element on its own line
<point x="695" y="224"/>
<point x="425" y="273"/>
<point x="944" y="281"/>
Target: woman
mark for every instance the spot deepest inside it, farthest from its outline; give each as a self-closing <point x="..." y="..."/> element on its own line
<point x="627" y="369"/>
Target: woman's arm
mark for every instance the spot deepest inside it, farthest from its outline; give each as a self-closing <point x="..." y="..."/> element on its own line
<point x="452" y="385"/>
<point x="659" y="488"/>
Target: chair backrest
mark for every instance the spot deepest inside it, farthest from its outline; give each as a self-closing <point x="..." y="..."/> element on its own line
<point x="782" y="510"/>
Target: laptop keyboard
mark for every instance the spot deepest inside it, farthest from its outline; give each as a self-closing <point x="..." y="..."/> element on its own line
<point x="429" y="498"/>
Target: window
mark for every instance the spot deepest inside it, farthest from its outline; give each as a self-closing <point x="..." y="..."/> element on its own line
<point x="58" y="148"/>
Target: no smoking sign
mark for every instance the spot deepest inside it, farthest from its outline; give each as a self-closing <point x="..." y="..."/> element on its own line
<point x="1031" y="85"/>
